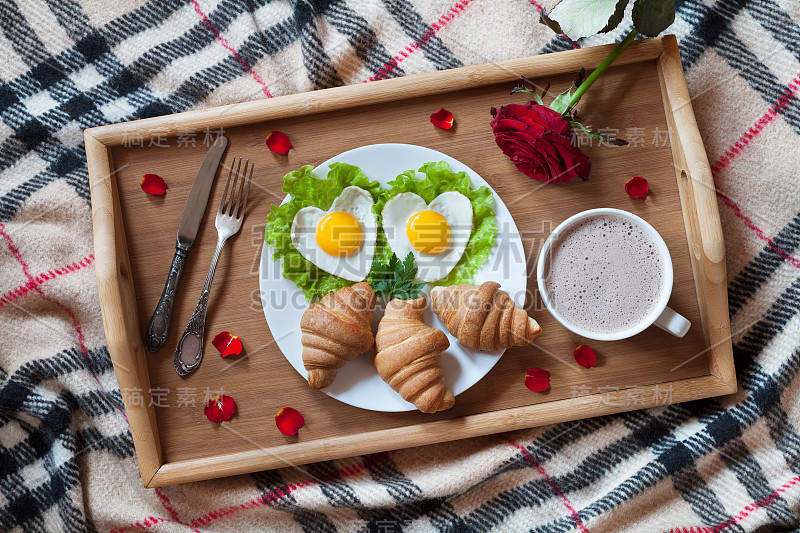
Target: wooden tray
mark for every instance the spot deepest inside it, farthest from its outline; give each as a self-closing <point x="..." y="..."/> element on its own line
<point x="134" y="238"/>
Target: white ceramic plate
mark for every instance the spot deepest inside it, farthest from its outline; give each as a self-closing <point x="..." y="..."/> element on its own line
<point x="358" y="383"/>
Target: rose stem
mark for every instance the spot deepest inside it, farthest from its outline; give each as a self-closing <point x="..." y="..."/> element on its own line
<point x="599" y="70"/>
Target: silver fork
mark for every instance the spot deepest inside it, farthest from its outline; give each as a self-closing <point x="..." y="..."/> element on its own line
<point x="230" y="214"/>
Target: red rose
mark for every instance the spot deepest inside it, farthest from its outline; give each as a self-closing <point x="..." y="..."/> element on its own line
<point x="539" y="142"/>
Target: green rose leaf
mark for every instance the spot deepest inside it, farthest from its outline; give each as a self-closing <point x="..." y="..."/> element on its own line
<point x="616" y="18"/>
<point x="597" y="135"/>
<point x="651" y="17"/>
<point x="531" y="92"/>
<point x="582" y="18"/>
<point x="560" y="102"/>
<point x="550" y="23"/>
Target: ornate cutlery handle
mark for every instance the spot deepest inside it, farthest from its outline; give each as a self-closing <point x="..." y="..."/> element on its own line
<point x="189" y="351"/>
<point x="158" y="329"/>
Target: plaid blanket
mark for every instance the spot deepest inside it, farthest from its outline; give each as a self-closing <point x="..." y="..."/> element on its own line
<point x="66" y="456"/>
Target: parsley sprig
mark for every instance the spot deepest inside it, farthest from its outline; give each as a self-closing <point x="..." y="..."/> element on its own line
<point x="397" y="279"/>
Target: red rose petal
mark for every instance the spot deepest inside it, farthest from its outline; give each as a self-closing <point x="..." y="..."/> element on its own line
<point x="585" y="357"/>
<point x="637" y="187"/>
<point x="153" y="184"/>
<point x="289" y="421"/>
<point x="227" y="344"/>
<point x="279" y="142"/>
<point x="442" y="119"/>
<point x="537" y="380"/>
<point x="221" y="341"/>
<point x="219" y="408"/>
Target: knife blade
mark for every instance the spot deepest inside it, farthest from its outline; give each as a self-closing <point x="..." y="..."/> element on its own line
<point x="192" y="216"/>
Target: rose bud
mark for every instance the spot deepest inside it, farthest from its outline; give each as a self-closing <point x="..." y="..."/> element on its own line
<point x="539" y="141"/>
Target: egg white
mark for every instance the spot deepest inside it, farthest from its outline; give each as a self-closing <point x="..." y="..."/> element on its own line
<point x="453" y="206"/>
<point x="354" y="267"/>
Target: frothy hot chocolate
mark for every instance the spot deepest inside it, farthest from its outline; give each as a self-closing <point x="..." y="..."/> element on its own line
<point x="604" y="274"/>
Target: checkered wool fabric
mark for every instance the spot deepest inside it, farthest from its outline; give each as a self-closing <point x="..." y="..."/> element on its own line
<point x="66" y="456"/>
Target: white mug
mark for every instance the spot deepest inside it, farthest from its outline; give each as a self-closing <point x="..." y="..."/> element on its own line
<point x="661" y="315"/>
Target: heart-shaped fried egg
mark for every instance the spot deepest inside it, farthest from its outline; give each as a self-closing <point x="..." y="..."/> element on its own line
<point x="341" y="240"/>
<point x="436" y="233"/>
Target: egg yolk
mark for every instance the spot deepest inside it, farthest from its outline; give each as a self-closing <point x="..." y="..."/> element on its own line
<point x="428" y="232"/>
<point x="339" y="234"/>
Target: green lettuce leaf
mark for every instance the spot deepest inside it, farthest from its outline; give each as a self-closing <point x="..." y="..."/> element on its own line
<point x="438" y="179"/>
<point x="307" y="190"/>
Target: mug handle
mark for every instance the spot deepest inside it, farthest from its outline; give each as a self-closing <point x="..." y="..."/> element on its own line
<point x="672" y="322"/>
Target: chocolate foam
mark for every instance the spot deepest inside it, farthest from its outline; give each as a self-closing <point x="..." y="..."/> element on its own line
<point x="604" y="274"/>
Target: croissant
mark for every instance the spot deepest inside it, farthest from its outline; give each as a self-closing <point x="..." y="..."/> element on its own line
<point x="483" y="317"/>
<point x="336" y="330"/>
<point x="409" y="356"/>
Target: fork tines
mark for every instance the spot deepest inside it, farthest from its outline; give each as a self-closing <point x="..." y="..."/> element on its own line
<point x="234" y="205"/>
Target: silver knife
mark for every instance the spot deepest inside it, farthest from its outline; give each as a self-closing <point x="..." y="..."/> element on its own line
<point x="187" y="231"/>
